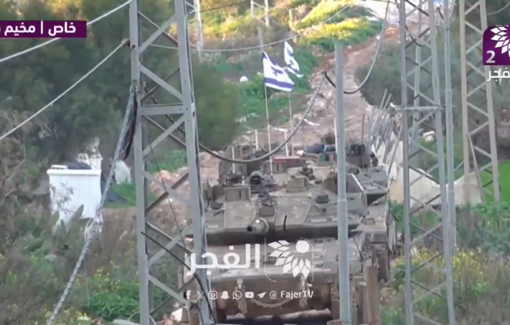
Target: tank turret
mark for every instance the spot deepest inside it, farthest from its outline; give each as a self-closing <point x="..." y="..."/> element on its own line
<point x="292" y="208"/>
<point x="285" y="209"/>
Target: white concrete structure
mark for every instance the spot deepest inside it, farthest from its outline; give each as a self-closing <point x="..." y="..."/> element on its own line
<point x="425" y="189"/>
<point x="71" y="188"/>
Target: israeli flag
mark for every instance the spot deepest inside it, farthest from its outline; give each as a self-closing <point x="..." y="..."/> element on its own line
<point x="292" y="65"/>
<point x="275" y="76"/>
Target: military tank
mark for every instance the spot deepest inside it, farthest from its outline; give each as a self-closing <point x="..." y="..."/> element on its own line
<point x="283" y="228"/>
<point x="358" y="159"/>
<point x="379" y="226"/>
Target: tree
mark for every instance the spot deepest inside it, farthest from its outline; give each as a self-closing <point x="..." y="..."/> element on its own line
<point x="218" y="107"/>
<point x="33" y="80"/>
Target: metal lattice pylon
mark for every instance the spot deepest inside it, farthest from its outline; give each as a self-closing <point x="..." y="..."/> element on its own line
<point x="184" y="115"/>
<point x="477" y="113"/>
<point x="253" y="8"/>
<point x="430" y="109"/>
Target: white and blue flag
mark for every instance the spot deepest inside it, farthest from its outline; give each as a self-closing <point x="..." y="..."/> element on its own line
<point x="275" y="76"/>
<point x="290" y="61"/>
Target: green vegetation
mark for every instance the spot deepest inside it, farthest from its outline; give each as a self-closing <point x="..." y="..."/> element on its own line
<point x="350" y="32"/>
<point x="170" y="161"/>
<point x="482" y="276"/>
<point x="35" y="264"/>
<point x="481" y="271"/>
<point x="348" y="23"/>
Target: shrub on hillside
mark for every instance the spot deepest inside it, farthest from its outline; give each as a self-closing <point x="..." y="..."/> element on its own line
<point x="349" y="32"/>
<point x="333" y="12"/>
<point x="481" y="285"/>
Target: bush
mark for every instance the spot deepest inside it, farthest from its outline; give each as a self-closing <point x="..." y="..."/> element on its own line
<point x="481" y="285"/>
<point x="349" y="32"/>
<point x="332" y="13"/>
<point x="319" y="13"/>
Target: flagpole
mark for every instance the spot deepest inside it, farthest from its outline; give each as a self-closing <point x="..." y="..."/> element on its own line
<point x="290" y="124"/>
<point x="268" y="129"/>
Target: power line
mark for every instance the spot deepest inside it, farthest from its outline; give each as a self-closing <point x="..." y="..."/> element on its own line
<point x="63" y="93"/>
<point x="279" y="147"/>
<point x="230" y="50"/>
<point x="499" y="10"/>
<point x="373" y="61"/>
<point x="381" y="40"/>
<point x="15" y="55"/>
<point x="183" y="263"/>
<point x="95" y="224"/>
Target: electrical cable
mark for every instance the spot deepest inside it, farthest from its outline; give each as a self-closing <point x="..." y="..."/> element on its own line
<point x="95" y="224"/>
<point x="169" y="201"/>
<point x="376" y="55"/>
<point x="278" y="148"/>
<point x="177" y="224"/>
<point x="230" y="50"/>
<point x="499" y="10"/>
<point x="413" y="40"/>
<point x="261" y="158"/>
<point x="187" y="266"/>
<point x="15" y="55"/>
<point x="50" y="104"/>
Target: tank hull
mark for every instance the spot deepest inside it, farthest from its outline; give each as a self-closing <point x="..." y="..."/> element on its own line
<point x="284" y="292"/>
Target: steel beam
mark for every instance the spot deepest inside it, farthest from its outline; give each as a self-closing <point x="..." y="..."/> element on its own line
<point x="477" y="117"/>
<point x="185" y="114"/>
<point x="343" y="233"/>
<point x="253" y="8"/>
<point x="417" y="293"/>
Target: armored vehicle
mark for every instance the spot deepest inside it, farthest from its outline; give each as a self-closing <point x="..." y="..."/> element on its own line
<point x="280" y="229"/>
<point x="379" y="226"/>
<point x="358" y="158"/>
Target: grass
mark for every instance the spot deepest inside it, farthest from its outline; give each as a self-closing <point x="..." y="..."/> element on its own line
<point x="504" y="171"/>
<point x="504" y="182"/>
<point x="352" y="31"/>
<point x="253" y="93"/>
<point x="332" y="13"/>
<point x="347" y="27"/>
<point x="168" y="161"/>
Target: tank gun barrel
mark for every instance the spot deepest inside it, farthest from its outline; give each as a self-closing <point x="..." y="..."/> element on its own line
<point x="258" y="227"/>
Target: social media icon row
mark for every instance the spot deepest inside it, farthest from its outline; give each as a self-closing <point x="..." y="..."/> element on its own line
<point x="236" y="295"/>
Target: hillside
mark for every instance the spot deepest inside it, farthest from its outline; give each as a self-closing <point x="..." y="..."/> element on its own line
<point x="319" y="24"/>
<point x="36" y="264"/>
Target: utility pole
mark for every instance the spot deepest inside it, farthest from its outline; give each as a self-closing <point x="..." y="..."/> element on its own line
<point x="427" y="38"/>
<point x="343" y="231"/>
<point x="477" y="117"/>
<point x="185" y="115"/>
<point x="254" y="5"/>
